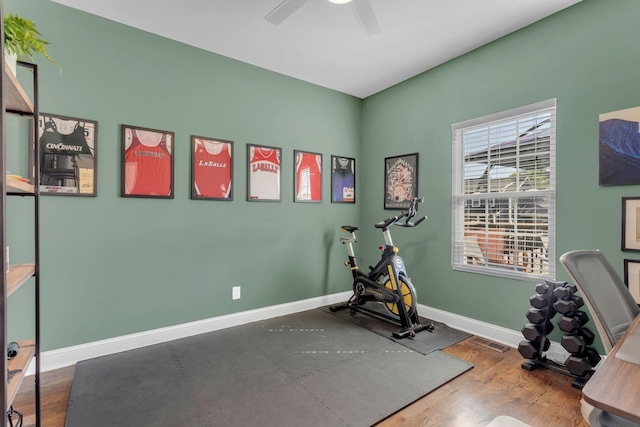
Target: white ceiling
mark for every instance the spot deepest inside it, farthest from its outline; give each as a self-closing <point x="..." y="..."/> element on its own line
<point x="324" y="43"/>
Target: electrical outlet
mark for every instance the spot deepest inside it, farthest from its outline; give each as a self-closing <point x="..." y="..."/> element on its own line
<point x="235" y="292"/>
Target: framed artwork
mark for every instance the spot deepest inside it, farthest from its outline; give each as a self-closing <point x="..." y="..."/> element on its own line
<point x="68" y="155"/>
<point x="263" y="173"/>
<point x="618" y="145"/>
<point x="343" y="179"/>
<point x="631" y="223"/>
<point x="400" y="181"/>
<point x="147" y="162"/>
<point x="211" y="169"/>
<point x="308" y="176"/>
<point x="632" y="277"/>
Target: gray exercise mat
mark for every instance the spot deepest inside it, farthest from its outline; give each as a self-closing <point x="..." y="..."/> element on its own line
<point x="424" y="342"/>
<point x="310" y="368"/>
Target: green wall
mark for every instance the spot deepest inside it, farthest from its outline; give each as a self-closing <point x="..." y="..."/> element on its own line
<point x="112" y="266"/>
<point x="588" y="58"/>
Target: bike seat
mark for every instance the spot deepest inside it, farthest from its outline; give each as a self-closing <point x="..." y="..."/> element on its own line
<point x="350" y="228"/>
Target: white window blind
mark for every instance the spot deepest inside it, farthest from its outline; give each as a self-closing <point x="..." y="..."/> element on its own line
<point x="504" y="193"/>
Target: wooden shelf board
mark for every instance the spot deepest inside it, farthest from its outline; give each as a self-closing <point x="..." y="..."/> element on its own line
<point x="17" y="368"/>
<point x="15" y="97"/>
<point x="17" y="275"/>
<point x="16" y="186"/>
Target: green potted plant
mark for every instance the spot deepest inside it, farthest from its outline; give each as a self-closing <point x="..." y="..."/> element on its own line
<point x="22" y="40"/>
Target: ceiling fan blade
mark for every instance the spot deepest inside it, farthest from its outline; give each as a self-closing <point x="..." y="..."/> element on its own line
<point x="364" y="14"/>
<point x="284" y="10"/>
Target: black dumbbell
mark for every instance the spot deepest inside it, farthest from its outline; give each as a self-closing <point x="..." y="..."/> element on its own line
<point x="538" y="315"/>
<point x="531" y="350"/>
<point x="528" y="350"/>
<point x="568" y="305"/>
<point x="584" y="318"/>
<point x="574" y="344"/>
<point x="571" y="322"/>
<point x="588" y="336"/>
<point x="578" y="366"/>
<point x="533" y="332"/>
<point x="578" y="342"/>
<point x="548" y="285"/>
<point x="592" y="355"/>
<point x="542" y="288"/>
<point x="564" y="291"/>
<point x="540" y="300"/>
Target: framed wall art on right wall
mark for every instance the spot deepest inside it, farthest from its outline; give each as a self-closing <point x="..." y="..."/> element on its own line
<point x="631" y="224"/>
<point x="632" y="277"/>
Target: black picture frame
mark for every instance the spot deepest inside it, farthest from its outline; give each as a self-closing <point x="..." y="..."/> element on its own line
<point x="632" y="277"/>
<point x="264" y="166"/>
<point x="68" y="154"/>
<point x="147" y="163"/>
<point x="307" y="177"/>
<point x="630" y="224"/>
<point x="400" y="180"/>
<point x="211" y="168"/>
<point x="343" y="179"/>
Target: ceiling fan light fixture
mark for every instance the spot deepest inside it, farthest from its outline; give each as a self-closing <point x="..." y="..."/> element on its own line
<point x="340" y="1"/>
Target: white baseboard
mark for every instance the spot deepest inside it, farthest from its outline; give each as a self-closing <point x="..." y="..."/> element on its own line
<point x="60" y="358"/>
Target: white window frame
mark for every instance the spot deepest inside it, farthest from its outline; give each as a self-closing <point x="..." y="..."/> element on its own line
<point x="524" y="244"/>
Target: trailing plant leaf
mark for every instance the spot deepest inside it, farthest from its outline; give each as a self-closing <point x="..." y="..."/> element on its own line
<point x="23" y="39"/>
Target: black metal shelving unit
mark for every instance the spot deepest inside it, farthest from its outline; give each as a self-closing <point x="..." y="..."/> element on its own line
<point x="15" y="101"/>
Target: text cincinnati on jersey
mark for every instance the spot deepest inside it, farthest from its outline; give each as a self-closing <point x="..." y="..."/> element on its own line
<point x="63" y="147"/>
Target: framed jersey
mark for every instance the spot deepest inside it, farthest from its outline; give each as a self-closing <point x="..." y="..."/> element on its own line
<point x="308" y="176"/>
<point x="343" y="179"/>
<point x="211" y="169"/>
<point x="263" y="173"/>
<point x="147" y="162"/>
<point x="68" y="150"/>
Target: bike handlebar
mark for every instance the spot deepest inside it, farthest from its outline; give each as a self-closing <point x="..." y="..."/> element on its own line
<point x="408" y="214"/>
<point x="387" y="222"/>
<point x="412" y="224"/>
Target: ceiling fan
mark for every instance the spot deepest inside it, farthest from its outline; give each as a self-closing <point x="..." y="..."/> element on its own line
<point x="361" y="9"/>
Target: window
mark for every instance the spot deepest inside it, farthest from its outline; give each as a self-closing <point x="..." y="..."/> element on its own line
<point x="504" y="193"/>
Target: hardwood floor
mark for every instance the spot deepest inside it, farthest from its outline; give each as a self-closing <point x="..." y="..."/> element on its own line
<point x="497" y="385"/>
<point x="54" y="393"/>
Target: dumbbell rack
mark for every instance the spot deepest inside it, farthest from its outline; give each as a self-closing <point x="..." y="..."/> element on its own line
<point x="553" y="298"/>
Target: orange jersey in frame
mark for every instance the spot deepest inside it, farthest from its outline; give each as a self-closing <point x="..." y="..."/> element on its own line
<point x="308" y="177"/>
<point x="148" y="168"/>
<point x="212" y="169"/>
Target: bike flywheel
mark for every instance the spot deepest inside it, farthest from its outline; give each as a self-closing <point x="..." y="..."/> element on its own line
<point x="408" y="296"/>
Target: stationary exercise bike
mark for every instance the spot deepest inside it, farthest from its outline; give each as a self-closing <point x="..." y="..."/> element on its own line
<point x="388" y="281"/>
